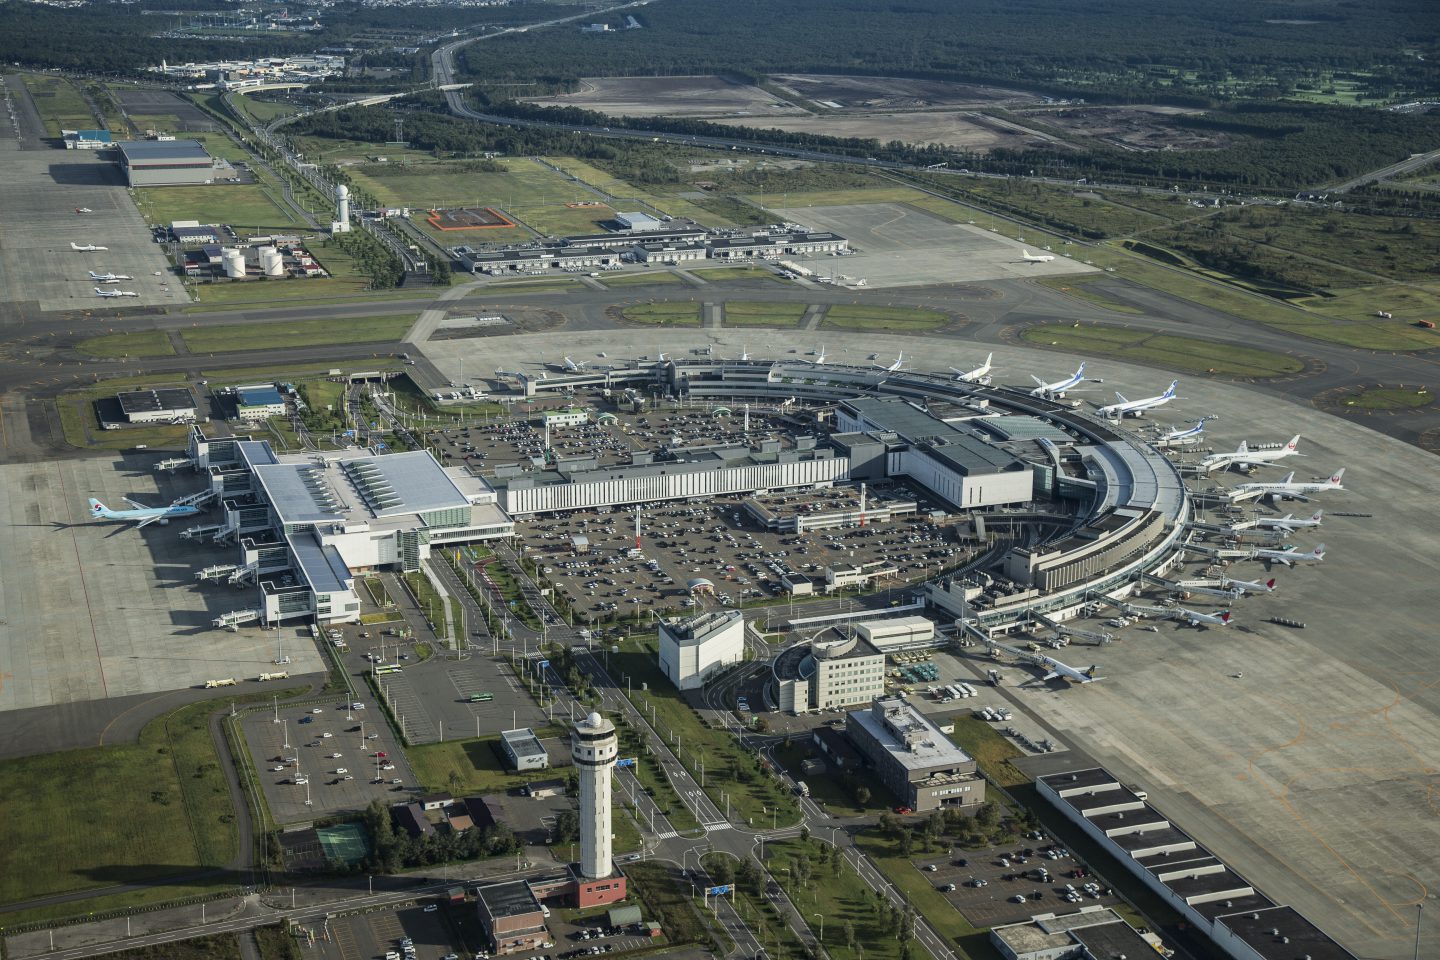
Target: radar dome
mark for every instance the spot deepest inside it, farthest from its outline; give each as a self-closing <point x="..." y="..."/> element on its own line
<point x="594" y="720"/>
<point x="342" y="191"/>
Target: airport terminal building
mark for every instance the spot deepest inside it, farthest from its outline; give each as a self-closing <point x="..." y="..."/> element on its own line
<point x="306" y="525"/>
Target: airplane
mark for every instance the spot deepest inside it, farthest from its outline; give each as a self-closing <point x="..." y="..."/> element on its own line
<point x="115" y="293"/>
<point x="819" y="356"/>
<point x="109" y="277"/>
<point x="146" y="515"/>
<point x="1182" y="436"/>
<point x="898" y="364"/>
<point x="98" y="280"/>
<point x="87" y="248"/>
<point x="1056" y="390"/>
<point x="571" y="366"/>
<point x="1196" y="618"/>
<point x="1289" y="523"/>
<point x="1029" y="257"/>
<point x="1137" y="408"/>
<point x="1056" y="668"/>
<point x="1248" y="586"/>
<point x="978" y="375"/>
<point x="1290" y="556"/>
<point x="1245" y="457"/>
<point x="83" y="210"/>
<point x="1286" y="488"/>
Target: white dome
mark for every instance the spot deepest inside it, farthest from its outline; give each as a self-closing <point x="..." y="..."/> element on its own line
<point x="342" y="191"/>
<point x="594" y="720"/>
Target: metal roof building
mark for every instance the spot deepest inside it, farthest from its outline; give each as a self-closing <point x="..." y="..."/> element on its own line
<point x="152" y="406"/>
<point x="156" y="163"/>
<point x="523" y="749"/>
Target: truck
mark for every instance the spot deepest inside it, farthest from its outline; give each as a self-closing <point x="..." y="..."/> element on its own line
<point x="227" y="682"/>
<point x="802" y="788"/>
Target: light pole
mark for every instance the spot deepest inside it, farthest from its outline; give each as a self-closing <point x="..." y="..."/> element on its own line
<point x="1419" y="909"/>
<point x="822" y="926"/>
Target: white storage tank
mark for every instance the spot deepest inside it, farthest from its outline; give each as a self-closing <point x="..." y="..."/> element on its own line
<point x="271" y="263"/>
<point x="234" y="262"/>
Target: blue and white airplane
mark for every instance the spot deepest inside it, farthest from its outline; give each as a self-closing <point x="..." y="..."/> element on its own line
<point x="1056" y="390"/>
<point x="145" y="515"/>
<point x="1136" y="408"/>
<point x="1182" y="437"/>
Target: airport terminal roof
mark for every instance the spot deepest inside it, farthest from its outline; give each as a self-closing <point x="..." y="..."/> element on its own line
<point x="1282" y="933"/>
<point x="140" y="153"/>
<point x="1021" y="428"/>
<point x="958" y="446"/>
<point x="153" y="401"/>
<point x="400" y="483"/>
<point x="323" y="569"/>
<point x="314" y="489"/>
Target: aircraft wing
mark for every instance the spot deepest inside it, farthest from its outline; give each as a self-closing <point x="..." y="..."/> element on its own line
<point x="136" y="504"/>
<point x="1051" y="675"/>
<point x="149" y="520"/>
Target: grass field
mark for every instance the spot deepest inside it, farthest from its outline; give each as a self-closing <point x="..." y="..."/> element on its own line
<point x="248" y="207"/>
<point x="60" y="104"/>
<point x="538" y="285"/>
<point x="450" y="238"/>
<point x="758" y="313"/>
<point x="320" y="290"/>
<point x="289" y="373"/>
<point x="1176" y="353"/>
<point x="727" y="274"/>
<point x="1390" y="398"/>
<point x="265" y="110"/>
<point x="880" y="193"/>
<point x="664" y="314"/>
<point x="991" y="751"/>
<point x="866" y="318"/>
<point x="299" y="333"/>
<point x="469" y="766"/>
<point x="624" y="190"/>
<point x="640" y="279"/>
<point x="81" y="427"/>
<point x="141" y="343"/>
<point x="949" y="922"/>
<point x="177" y="814"/>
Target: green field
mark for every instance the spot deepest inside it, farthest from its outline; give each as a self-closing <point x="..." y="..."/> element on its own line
<point x="882" y="192"/>
<point x="991" y="751"/>
<point x="141" y="343"/>
<point x="265" y="110"/>
<point x="60" y="104"/>
<point x="1176" y="353"/>
<point x="759" y="313"/>
<point x="177" y="814"/>
<point x="663" y="314"/>
<point x="949" y="922"/>
<point x="1390" y="398"/>
<point x="248" y="207"/>
<point x="640" y="279"/>
<point x="865" y="318"/>
<point x="623" y="190"/>
<point x="450" y="238"/>
<point x="81" y="426"/>
<point x="727" y="274"/>
<point x="296" y="333"/>
<point x="469" y="766"/>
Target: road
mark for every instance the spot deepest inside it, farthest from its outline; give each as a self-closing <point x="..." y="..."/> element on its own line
<point x="1415" y="161"/>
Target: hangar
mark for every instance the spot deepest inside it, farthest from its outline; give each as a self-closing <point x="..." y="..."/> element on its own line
<point x="160" y="163"/>
<point x="167" y="405"/>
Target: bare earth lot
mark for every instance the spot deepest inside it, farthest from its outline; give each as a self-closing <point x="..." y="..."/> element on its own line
<point x="1142" y="127"/>
<point x="671" y="97"/>
<point x="895" y="93"/>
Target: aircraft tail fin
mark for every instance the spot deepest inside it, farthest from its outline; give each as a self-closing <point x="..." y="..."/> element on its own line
<point x="1289" y="477"/>
<point x="1120" y="397"/>
<point x="1317" y="516"/>
<point x="1335" y="480"/>
<point x="97" y="508"/>
<point x="1037" y="380"/>
<point x="1293" y="444"/>
<point x="1243" y="448"/>
<point x="1225" y="617"/>
<point x="1319" y="552"/>
<point x="1270" y="584"/>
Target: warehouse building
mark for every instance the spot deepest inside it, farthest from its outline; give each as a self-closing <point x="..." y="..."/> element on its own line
<point x="830" y="672"/>
<point x="161" y="163"/>
<point x="637" y="222"/>
<point x="170" y="405"/>
<point x="692" y="649"/>
<point x="675" y="252"/>
<point x="921" y="766"/>
<point x="1203" y="889"/>
<point x="775" y="245"/>
<point x="193" y="232"/>
<point x="258" y="401"/>
<point x="704" y="474"/>
<point x="523" y="750"/>
<point x="86" y="139"/>
<point x="541" y="258"/>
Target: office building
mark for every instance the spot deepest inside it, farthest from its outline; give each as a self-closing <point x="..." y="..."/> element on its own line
<point x="920" y="765"/>
<point x="693" y="649"/>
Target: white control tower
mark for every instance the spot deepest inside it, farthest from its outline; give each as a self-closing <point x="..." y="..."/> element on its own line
<point x="593" y="747"/>
<point x="342" y="210"/>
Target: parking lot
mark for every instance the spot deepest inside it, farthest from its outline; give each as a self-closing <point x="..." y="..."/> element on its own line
<point x="436" y="930"/>
<point x="1006" y="885"/>
<point x="328" y="754"/>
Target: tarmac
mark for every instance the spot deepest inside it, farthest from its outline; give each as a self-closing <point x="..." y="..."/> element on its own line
<point x="899" y="245"/>
<point x="92" y="610"/>
<point x="1311" y="773"/>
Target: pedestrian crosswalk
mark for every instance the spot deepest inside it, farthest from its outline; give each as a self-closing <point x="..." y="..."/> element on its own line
<point x="666" y="835"/>
<point x="718" y="825"/>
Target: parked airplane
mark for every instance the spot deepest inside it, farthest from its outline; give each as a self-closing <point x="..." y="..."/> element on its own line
<point x="896" y="365"/>
<point x="109" y="277"/>
<point x="1287" y="488"/>
<point x="1289" y="523"/>
<point x="1056" y="390"/>
<point x="1055" y="667"/>
<point x="571" y="366"/>
<point x="980" y="374"/>
<point x="1196" y="619"/>
<point x="105" y="281"/>
<point x="1137" y="408"/>
<point x="819" y="356"/>
<point x="1182" y="436"/>
<point x="1029" y="257"/>
<point x="87" y="248"/>
<point x="1245" y="457"/>
<point x="1290" y="556"/>
<point x="146" y="515"/>
<point x="115" y="293"/>
<point x="1248" y="586"/>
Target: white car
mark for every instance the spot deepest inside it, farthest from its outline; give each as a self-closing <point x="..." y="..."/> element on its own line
<point x="326" y="736"/>
<point x="340" y="771"/>
<point x="277" y="769"/>
<point x="388" y="766"/>
<point x="372" y="736"/>
<point x="301" y="781"/>
<point x="317" y="710"/>
<point x="357" y="706"/>
<point x="334" y="756"/>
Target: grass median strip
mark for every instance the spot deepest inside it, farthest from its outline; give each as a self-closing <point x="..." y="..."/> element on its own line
<point x="141" y="343"/>
<point x="685" y="314"/>
<point x="1177" y="353"/>
<point x="866" y="318"/>
<point x="301" y="333"/>
<point x="761" y="313"/>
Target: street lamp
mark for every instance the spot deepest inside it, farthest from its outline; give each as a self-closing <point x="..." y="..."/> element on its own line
<point x="822" y="925"/>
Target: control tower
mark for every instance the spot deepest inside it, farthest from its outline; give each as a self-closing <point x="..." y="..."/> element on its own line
<point x="593" y="747"/>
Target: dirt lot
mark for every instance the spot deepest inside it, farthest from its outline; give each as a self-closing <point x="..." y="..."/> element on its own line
<point x="671" y="97"/>
<point x="895" y="93"/>
<point x="952" y="128"/>
<point x="1134" y="128"/>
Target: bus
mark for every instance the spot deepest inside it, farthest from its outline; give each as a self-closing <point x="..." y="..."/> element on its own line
<point x="382" y="669"/>
<point x="481" y="697"/>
